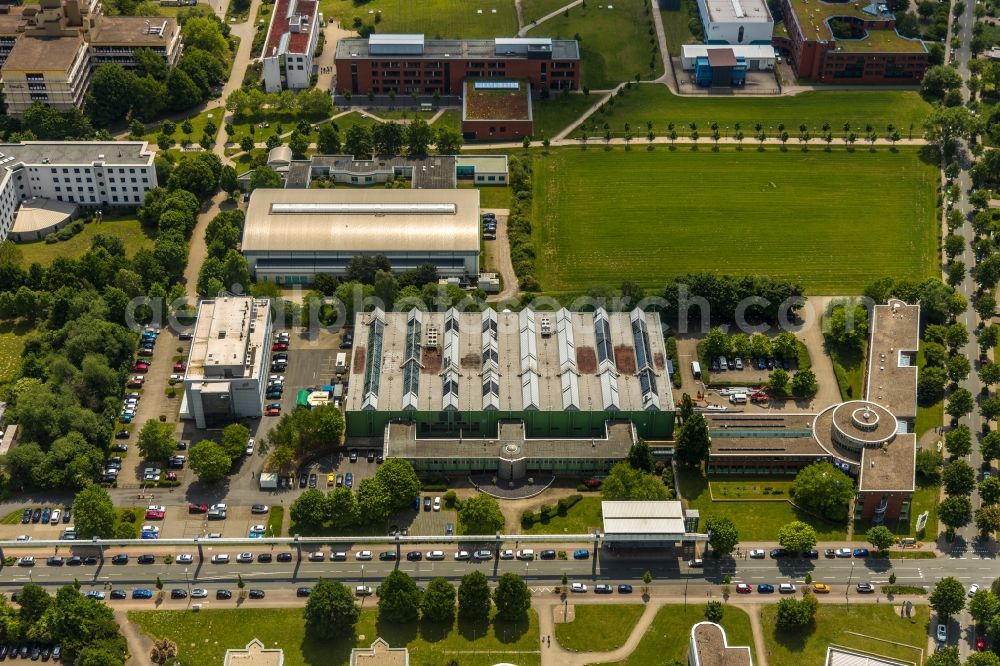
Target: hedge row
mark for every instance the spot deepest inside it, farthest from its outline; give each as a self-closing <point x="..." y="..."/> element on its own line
<point x="546" y="511"/>
<point x="522" y="252"/>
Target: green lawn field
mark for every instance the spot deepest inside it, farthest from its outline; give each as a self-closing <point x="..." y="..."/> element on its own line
<point x="11" y="347"/>
<point x="614" y="43"/>
<point x="831" y="221"/>
<point x="198" y="123"/>
<point x="581" y="518"/>
<point x="598" y="627"/>
<point x="756" y="520"/>
<point x="554" y="114"/>
<point x="675" y="28"/>
<point x="649" y="102"/>
<point x="536" y="9"/>
<point x="437" y="19"/>
<point x="871" y="628"/>
<point x="129" y="230"/>
<point x="203" y="638"/>
<point x="670" y="633"/>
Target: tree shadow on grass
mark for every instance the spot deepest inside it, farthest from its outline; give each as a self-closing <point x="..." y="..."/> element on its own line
<point x="794" y="640"/>
<point x="434" y="632"/>
<point x="317" y="652"/>
<point x="473" y="629"/>
<point x="510" y="632"/>
<point x="396" y="634"/>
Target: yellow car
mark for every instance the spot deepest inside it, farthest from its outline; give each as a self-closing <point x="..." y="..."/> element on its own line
<point x="331" y="479"/>
<point x="821" y="588"/>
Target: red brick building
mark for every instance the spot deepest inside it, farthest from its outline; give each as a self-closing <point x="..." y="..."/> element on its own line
<point x="405" y="64"/>
<point x="867" y="50"/>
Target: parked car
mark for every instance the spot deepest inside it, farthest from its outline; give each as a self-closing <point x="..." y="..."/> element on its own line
<point x="821" y="588"/>
<point x="743" y="588"/>
<point x="973" y="589"/>
<point x="256" y="594"/>
<point x="178" y="593"/>
<point x="603" y="589"/>
<point x="363" y="555"/>
<point x="866" y="588"/>
<point x="199" y="593"/>
<point x="547" y="554"/>
<point x="860" y="552"/>
<point x="578" y="587"/>
<point x="786" y="588"/>
<point x="843" y="552"/>
<point x="363" y="590"/>
<point x="757" y="554"/>
<point x="942" y="633"/>
<point x="581" y="554"/>
<point x="387" y="556"/>
<point x="142" y="593"/>
<point x="197" y="508"/>
<point x="223" y="594"/>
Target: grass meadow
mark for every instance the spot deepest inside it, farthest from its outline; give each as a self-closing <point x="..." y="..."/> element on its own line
<point x="437" y="19"/>
<point x="129" y="230"/>
<point x="870" y="628"/>
<point x="202" y="638"/>
<point x="644" y="103"/>
<point x="614" y="41"/>
<point x="599" y="627"/>
<point x="830" y="221"/>
<point x="668" y="636"/>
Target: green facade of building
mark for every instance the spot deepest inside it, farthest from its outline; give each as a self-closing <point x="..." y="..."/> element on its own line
<point x="650" y="425"/>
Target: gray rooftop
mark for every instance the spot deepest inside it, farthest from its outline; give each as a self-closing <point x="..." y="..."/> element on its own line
<point x="738" y="11"/>
<point x="431" y="172"/>
<point x="628" y="517"/>
<point x="511" y="361"/>
<point x="456" y="49"/>
<point x="228" y="340"/>
<point x="892" y="369"/>
<point x="362" y="220"/>
<point x="76" y="153"/>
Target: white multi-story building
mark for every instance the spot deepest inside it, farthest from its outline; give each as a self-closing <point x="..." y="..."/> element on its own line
<point x="291" y="42"/>
<point x="69" y="174"/>
<point x="736" y="21"/>
<point x="228" y="363"/>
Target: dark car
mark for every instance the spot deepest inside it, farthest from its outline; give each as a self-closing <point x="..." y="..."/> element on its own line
<point x="122" y="434"/>
<point x="120" y="558"/>
<point x="265" y="557"/>
<point x="414" y="556"/>
<point x="765" y="588"/>
<point x="303" y="591"/>
<point x="146" y="559"/>
<point x="74" y="561"/>
<point x="427" y="504"/>
<point x="119" y="594"/>
<point x="284" y="557"/>
<point x="26" y="516"/>
<point x="860" y="552"/>
<point x="178" y="593"/>
<point x="312" y="480"/>
<point x="55" y="561"/>
<point x="387" y="556"/>
<point x="371" y="456"/>
<point x="223" y="594"/>
<point x="624" y="589"/>
<point x="811" y="554"/>
<point x="256" y="594"/>
<point x="603" y="589"/>
<point x="779" y="552"/>
<point x="303" y="480"/>
<point x="829" y="552"/>
<point x="547" y="555"/>
<point x="3" y="652"/>
<point x="90" y="560"/>
<point x="36" y="515"/>
<point x="273" y="395"/>
<point x="866" y="588"/>
<point x="353" y="456"/>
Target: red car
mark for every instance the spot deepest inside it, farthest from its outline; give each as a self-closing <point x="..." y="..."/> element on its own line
<point x="180" y="367"/>
<point x="171" y="476"/>
<point x="743" y="588"/>
<point x="135" y="381"/>
<point x="279" y="346"/>
<point x="271" y="411"/>
<point x="980" y="643"/>
<point x="154" y="515"/>
<point x="140" y="368"/>
<point x="197" y="508"/>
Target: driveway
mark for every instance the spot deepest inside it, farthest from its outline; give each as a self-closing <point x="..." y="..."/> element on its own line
<point x="499" y="253"/>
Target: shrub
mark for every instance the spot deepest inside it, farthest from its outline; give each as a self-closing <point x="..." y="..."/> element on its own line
<point x="51" y="238"/>
<point x="450" y="498"/>
<point x="545" y="511"/>
<point x="527" y="518"/>
<point x="128" y="516"/>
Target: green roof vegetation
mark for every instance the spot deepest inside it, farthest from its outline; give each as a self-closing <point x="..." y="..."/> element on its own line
<point x="497" y="103"/>
<point x="813" y="17"/>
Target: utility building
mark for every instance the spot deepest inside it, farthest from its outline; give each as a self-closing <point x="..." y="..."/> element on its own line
<point x="736" y="21"/>
<point x="290" y="235"/>
<point x="292" y="38"/>
<point x="228" y="361"/>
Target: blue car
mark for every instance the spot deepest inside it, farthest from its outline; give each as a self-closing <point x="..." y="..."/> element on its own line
<point x="765" y="588"/>
<point x="860" y="552"/>
<point x="348" y="480"/>
<point x="142" y="593"/>
<point x="581" y="554"/>
<point x="150" y="535"/>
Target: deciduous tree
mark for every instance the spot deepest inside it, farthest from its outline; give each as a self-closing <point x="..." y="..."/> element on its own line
<point x="955" y="511"/>
<point x="948" y="597"/>
<point x="210" y="461"/>
<point x="474" y="597"/>
<point x="512" y="598"/>
<point x="797" y="537"/>
<point x="438" y="603"/>
<point x="824" y="489"/>
<point x="93" y="513"/>
<point x="399" y="598"/>
<point x="724" y="535"/>
<point x="330" y="612"/>
<point x="480" y="514"/>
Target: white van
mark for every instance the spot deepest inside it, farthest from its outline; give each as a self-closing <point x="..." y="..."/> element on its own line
<point x="340" y="366"/>
<point x="696" y="369"/>
<point x="525" y="554"/>
<point x="738" y="398"/>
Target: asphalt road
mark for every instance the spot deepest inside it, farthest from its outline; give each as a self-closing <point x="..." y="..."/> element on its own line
<point x="841" y="574"/>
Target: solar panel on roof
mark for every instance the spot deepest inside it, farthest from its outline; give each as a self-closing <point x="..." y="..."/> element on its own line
<point x="496" y="85"/>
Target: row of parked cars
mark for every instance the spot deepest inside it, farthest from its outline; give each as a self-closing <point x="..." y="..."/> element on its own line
<point x="760" y="554"/>
<point x="31" y="651"/>
<point x="789" y="588"/>
<point x="46" y="515"/>
<point x="489" y="226"/>
<point x="738" y="363"/>
<point x="176" y="593"/>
